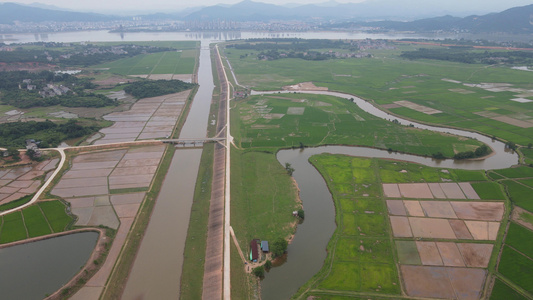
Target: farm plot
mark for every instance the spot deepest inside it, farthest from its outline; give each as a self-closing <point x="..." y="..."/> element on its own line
<point x="19" y="182"/>
<point x="447" y="190"/>
<point x="516" y="263"/>
<point x="94" y="179"/>
<point x="36" y="220"/>
<point x="440" y="265"/>
<point x="149" y="118"/>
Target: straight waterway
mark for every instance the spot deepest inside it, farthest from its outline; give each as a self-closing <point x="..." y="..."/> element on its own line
<point x="156" y="272"/>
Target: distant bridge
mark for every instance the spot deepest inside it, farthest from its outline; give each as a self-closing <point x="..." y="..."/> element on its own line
<point x="193" y="142"/>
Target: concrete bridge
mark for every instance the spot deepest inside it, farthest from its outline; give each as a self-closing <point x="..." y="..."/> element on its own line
<point x="193" y="142"/>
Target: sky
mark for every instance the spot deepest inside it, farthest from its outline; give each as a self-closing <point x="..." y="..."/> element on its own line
<point x="175" y="5"/>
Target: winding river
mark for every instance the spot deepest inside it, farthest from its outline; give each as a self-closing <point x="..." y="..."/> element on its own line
<point x="307" y="251"/>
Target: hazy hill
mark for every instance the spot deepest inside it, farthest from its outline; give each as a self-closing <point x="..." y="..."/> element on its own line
<point x="11" y="12"/>
<point x="517" y="20"/>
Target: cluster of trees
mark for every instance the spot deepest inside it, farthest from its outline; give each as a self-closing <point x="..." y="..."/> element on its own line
<point x="296" y="45"/>
<point x="48" y="133"/>
<point x="14" y="91"/>
<point x="477" y="42"/>
<point x="308" y="55"/>
<point x="77" y="55"/>
<point x="465" y="55"/>
<point x="27" y="99"/>
<point x="13" y="79"/>
<point x="154" y="88"/>
<point x="479" y="152"/>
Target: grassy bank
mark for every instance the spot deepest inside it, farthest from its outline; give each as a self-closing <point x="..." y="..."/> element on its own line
<point x="293" y="120"/>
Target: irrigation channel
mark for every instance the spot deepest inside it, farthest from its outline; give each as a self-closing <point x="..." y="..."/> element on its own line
<point x="156" y="272"/>
<point x="307" y="251"/>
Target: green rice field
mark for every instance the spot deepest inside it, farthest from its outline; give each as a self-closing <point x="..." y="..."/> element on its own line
<point x="517" y="267"/>
<point x="36" y="220"/>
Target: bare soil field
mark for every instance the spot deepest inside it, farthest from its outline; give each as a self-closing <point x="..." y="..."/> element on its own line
<point x="304" y="86"/>
<point x="420" y="108"/>
<point x="149" y="118"/>
<point x="17" y="182"/>
<point x="443" y="190"/>
<point x="443" y="282"/>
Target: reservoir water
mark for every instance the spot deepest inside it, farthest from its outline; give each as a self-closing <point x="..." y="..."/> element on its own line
<point x="34" y="270"/>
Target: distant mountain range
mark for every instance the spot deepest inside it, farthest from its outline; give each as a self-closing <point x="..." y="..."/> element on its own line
<point x="517" y="20"/>
<point x="11" y="12"/>
<point x="349" y="15"/>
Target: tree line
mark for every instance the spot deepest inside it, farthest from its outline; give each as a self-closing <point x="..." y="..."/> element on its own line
<point x="77" y="55"/>
<point x="14" y="91"/>
<point x="48" y="133"/>
<point x="153" y="88"/>
<point x="468" y="56"/>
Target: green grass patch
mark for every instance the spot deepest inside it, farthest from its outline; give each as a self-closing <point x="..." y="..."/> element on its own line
<point x="528" y="155"/>
<point x="528" y="182"/>
<point x="468" y="175"/>
<point x="55" y="213"/>
<point x="128" y="190"/>
<point x="488" y="190"/>
<point x="262" y="198"/>
<point x="503" y="291"/>
<point x="35" y="221"/>
<point x="520" y="238"/>
<point x="344" y="276"/>
<point x="408" y="253"/>
<point x="517" y="268"/>
<point x="519" y="194"/>
<point x="495" y="176"/>
<point x="518" y="172"/>
<point x="526" y="217"/>
<point x="13" y="228"/>
<point x="193" y="265"/>
<point x="401" y="172"/>
<point x="170" y="62"/>
<point x="16" y="203"/>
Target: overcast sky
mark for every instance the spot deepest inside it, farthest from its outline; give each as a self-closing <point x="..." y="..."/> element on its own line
<point x="165" y="5"/>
